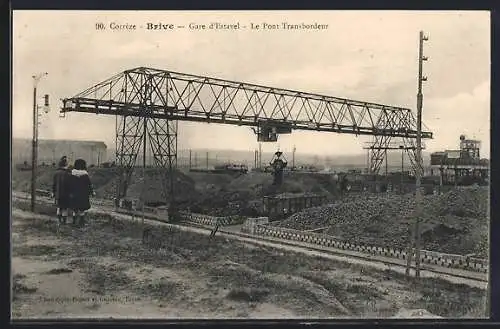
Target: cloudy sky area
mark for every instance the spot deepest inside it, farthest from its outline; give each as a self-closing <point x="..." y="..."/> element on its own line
<point x="367" y="56"/>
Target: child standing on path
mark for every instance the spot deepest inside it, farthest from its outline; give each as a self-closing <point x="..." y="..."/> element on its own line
<point x="81" y="190"/>
<point x="61" y="190"/>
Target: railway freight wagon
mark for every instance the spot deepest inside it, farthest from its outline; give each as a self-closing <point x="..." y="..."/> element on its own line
<point x="398" y="188"/>
<point x="279" y="207"/>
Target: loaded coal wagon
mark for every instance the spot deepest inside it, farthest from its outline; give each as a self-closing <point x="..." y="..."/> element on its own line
<point x="279" y="207"/>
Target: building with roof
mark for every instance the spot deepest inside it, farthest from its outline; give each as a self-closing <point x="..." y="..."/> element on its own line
<point x="464" y="164"/>
<point x="51" y="150"/>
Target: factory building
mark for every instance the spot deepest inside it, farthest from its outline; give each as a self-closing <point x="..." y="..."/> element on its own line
<point x="461" y="167"/>
<point x="49" y="151"/>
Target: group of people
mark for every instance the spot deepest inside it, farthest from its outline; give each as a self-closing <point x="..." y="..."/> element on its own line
<point x="71" y="190"/>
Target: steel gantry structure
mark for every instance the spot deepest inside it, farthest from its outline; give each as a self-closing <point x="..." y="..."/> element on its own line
<point x="150" y="102"/>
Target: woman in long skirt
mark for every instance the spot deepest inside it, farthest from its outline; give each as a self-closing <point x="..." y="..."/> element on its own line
<point x="81" y="190"/>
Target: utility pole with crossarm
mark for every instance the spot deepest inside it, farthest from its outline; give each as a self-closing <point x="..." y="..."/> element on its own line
<point x="415" y="236"/>
<point x="34" y="146"/>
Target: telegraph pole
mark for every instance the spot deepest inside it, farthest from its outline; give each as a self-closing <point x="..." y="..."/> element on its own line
<point x="34" y="143"/>
<point x="419" y="167"/>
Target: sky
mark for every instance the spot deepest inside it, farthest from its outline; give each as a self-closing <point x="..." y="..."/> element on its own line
<point x="362" y="55"/>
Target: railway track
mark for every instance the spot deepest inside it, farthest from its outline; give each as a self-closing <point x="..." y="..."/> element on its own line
<point x="389" y="263"/>
<point x="462" y="276"/>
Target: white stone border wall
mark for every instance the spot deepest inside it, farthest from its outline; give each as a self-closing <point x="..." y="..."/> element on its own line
<point x="194" y="217"/>
<point x="426" y="257"/>
<point x="210" y="220"/>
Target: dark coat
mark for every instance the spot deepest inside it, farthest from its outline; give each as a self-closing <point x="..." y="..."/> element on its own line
<point x="81" y="190"/>
<point x="61" y="188"/>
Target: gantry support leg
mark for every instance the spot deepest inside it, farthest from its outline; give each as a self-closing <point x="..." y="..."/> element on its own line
<point x="128" y="139"/>
<point x="378" y="153"/>
<point x="411" y="151"/>
<point x="163" y="140"/>
<point x="380" y="143"/>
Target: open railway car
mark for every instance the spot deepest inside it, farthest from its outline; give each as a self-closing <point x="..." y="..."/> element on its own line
<point x="236" y="168"/>
<point x="279" y="207"/>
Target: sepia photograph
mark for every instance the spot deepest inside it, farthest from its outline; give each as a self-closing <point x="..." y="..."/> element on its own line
<point x="250" y="164"/>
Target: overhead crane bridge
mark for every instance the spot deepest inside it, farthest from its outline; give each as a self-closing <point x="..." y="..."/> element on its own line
<point x="148" y="103"/>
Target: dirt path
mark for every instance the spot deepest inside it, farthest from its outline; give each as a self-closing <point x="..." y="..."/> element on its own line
<point x="103" y="270"/>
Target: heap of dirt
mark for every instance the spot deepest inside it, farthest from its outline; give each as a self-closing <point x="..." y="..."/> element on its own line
<point x="207" y="182"/>
<point x="104" y="181"/>
<point x="101" y="177"/>
<point x="216" y="192"/>
<point x="454" y="222"/>
<point x="261" y="184"/>
<point x="148" y="186"/>
<point x="242" y="194"/>
<point x="21" y="180"/>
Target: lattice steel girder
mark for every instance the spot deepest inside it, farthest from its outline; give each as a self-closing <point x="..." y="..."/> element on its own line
<point x="186" y="97"/>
